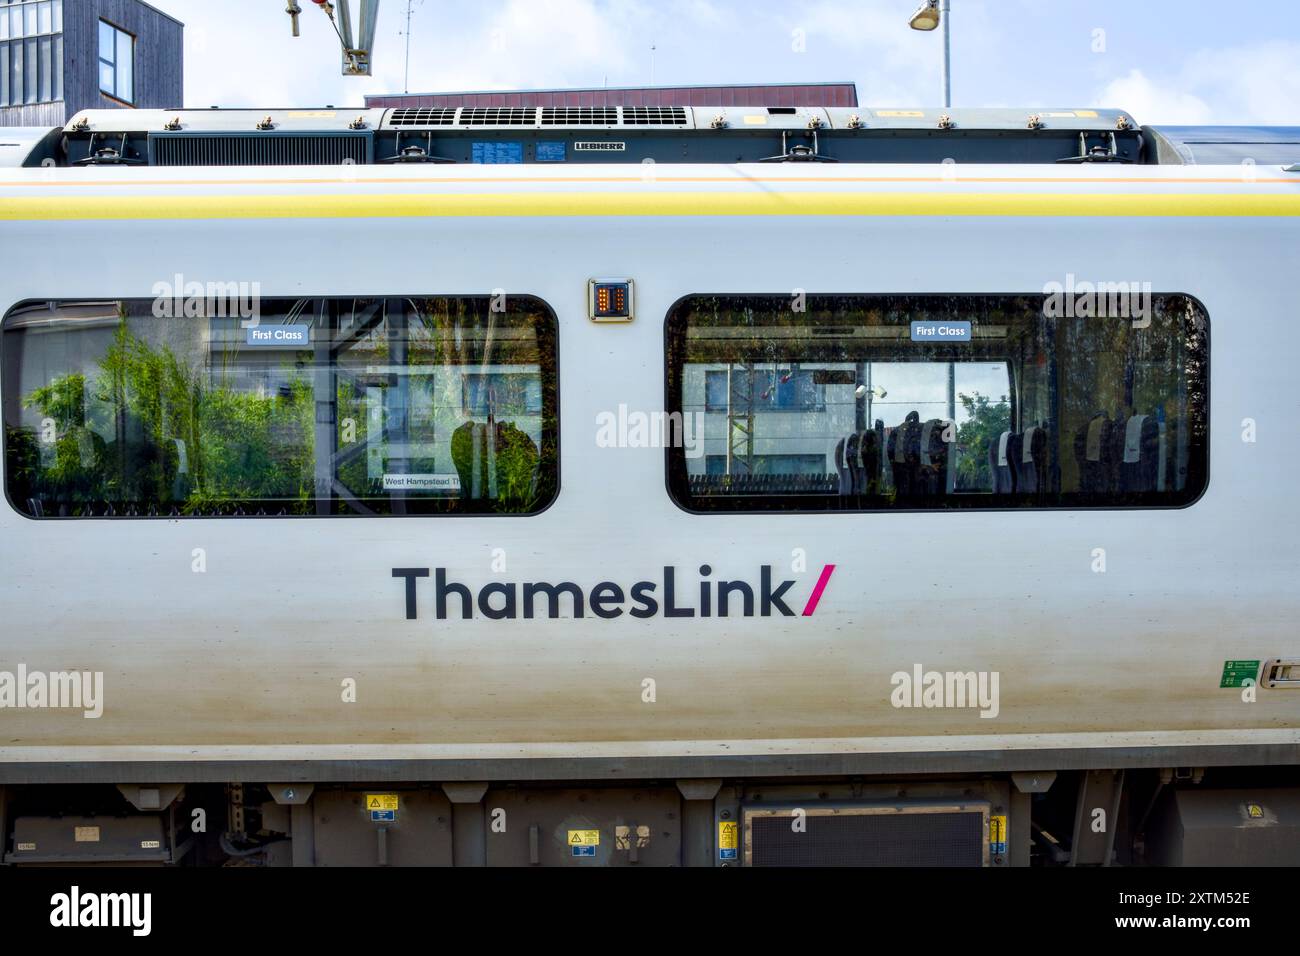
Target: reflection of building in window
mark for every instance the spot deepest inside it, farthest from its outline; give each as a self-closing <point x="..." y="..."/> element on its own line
<point x="116" y="62"/>
<point x="773" y="389"/>
<point x="501" y="393"/>
<point x="110" y="411"/>
<point x="769" y="465"/>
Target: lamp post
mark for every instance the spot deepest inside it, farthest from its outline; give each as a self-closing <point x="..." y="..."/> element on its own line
<point x="928" y="16"/>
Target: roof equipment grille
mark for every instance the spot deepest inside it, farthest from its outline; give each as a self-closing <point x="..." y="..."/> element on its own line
<point x="497" y="116"/>
<point x="260" y="150"/>
<point x="579" y="116"/>
<point x="654" y="116"/>
<point x="434" y="116"/>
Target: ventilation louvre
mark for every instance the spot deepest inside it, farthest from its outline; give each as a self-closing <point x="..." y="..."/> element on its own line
<point x="654" y="116"/>
<point x="497" y="116"/>
<point x="579" y="116"/>
<point x="434" y="116"/>
<point x="261" y="150"/>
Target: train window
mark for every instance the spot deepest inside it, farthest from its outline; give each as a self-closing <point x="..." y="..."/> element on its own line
<point x="864" y="403"/>
<point x="231" y="405"/>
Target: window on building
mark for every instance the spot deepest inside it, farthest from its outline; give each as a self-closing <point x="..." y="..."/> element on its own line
<point x="116" y="62"/>
<point x="1026" y="407"/>
<point x="31" y="52"/>
<point x="398" y="406"/>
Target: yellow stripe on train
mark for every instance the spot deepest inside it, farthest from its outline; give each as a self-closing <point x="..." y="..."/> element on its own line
<point x="649" y="203"/>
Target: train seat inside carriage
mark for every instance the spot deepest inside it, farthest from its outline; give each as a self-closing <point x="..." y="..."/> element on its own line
<point x="1123" y="454"/>
<point x="1005" y="418"/>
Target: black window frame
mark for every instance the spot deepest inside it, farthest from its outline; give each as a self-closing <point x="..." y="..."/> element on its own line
<point x="677" y="479"/>
<point x="548" y="342"/>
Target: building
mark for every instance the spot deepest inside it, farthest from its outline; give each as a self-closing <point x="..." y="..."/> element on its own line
<point x="794" y="94"/>
<point x="58" y="57"/>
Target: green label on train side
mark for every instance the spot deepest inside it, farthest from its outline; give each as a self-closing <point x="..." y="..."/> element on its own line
<point x="1235" y="673"/>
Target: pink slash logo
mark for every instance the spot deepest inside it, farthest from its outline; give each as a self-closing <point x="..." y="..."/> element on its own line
<point x="816" y="595"/>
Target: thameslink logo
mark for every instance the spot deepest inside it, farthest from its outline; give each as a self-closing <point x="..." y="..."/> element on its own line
<point x="507" y="601"/>
<point x="53" y="690"/>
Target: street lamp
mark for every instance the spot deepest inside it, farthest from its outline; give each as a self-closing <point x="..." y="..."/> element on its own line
<point x="928" y="17"/>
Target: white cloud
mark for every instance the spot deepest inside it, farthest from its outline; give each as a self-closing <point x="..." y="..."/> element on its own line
<point x="240" y="53"/>
<point x="1153" y="104"/>
<point x="1256" y="84"/>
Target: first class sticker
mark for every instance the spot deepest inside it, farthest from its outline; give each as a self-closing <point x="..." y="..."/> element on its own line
<point x="941" y="331"/>
<point x="273" y="336"/>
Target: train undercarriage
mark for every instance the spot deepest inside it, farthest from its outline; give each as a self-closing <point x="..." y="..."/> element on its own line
<point x="1173" y="816"/>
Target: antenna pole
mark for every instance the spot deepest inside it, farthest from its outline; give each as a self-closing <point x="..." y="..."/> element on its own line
<point x="945" y="17"/>
<point x="406" y="83"/>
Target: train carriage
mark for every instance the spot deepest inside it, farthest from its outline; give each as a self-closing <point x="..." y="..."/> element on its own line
<point x="411" y="489"/>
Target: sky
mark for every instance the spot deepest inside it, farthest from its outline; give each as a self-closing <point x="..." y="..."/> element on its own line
<point x="1164" y="61"/>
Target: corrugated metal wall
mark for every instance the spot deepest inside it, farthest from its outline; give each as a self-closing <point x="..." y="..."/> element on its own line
<point x="38" y="114"/>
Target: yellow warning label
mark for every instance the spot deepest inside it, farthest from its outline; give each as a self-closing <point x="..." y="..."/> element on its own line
<point x="1254" y="811"/>
<point x="728" y="834"/>
<point x="1086" y="114"/>
<point x="755" y="120"/>
<point x="584" y="838"/>
<point x="381" y="801"/>
<point x="85" y="834"/>
<point x="997" y="829"/>
<point x="899" y="113"/>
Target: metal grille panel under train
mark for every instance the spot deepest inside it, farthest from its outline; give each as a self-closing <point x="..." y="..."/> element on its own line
<point x="846" y="838"/>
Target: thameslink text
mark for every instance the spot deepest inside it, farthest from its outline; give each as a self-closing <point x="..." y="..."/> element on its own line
<point x="502" y="600"/>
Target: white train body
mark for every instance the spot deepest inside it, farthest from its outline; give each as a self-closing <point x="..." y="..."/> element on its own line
<point x="249" y="658"/>
<point x="547" y="610"/>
